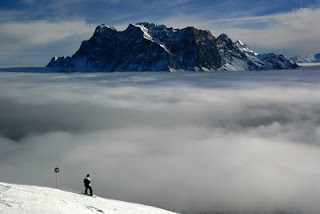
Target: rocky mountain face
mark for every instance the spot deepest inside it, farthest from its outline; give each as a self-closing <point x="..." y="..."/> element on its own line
<point x="308" y="59"/>
<point x="150" y="47"/>
<point x="267" y="61"/>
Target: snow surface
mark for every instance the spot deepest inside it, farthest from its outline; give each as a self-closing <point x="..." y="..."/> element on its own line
<point x="16" y="199"/>
<point x="145" y="30"/>
<point x="147" y="36"/>
<point x="235" y="65"/>
<point x="243" y="47"/>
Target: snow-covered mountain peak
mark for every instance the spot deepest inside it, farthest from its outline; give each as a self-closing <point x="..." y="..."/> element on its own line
<point x="150" y="47"/>
<point x="240" y="43"/>
<point x="39" y="200"/>
<point x="312" y="58"/>
<point x="103" y="27"/>
<point x="308" y="59"/>
<point x="245" y="48"/>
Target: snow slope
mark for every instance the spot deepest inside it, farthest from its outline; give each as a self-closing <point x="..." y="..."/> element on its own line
<point x="38" y="200"/>
<point x="245" y="48"/>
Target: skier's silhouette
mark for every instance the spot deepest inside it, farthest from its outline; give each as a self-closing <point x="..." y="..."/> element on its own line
<point x="87" y="184"/>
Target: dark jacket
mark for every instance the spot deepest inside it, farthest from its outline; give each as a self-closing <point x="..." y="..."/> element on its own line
<point x="87" y="182"/>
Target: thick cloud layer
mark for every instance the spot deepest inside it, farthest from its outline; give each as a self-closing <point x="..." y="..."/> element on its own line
<point x="188" y="142"/>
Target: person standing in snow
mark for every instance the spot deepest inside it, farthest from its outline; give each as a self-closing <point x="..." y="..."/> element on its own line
<point x="87" y="184"/>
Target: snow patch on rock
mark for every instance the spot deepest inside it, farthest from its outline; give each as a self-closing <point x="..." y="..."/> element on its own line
<point x="146" y="34"/>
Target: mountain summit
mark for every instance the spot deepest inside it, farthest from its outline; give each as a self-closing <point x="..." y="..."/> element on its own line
<point x="149" y="47"/>
<point x="308" y="59"/>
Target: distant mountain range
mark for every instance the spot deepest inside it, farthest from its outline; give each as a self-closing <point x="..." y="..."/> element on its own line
<point x="308" y="59"/>
<point x="150" y="47"/>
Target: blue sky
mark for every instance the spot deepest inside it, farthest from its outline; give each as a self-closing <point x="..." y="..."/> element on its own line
<point x="32" y="31"/>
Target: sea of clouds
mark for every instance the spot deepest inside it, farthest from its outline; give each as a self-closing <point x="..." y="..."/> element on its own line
<point x="188" y="142"/>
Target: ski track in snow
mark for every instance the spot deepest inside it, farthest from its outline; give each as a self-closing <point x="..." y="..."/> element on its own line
<point x="94" y="209"/>
<point x="3" y="189"/>
<point x="16" y="199"/>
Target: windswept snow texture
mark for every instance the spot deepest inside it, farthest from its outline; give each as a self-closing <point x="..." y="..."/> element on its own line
<point x="39" y="200"/>
<point x="186" y="142"/>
